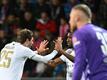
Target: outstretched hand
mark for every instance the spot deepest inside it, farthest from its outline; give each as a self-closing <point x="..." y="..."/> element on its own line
<point x="43" y="47"/>
<point x="58" y="44"/>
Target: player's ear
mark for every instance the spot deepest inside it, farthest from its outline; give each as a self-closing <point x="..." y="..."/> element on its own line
<point x="27" y="40"/>
<point x="77" y="19"/>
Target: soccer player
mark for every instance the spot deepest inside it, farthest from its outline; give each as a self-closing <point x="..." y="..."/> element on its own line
<point x="14" y="55"/>
<point x="62" y="59"/>
<point x="90" y="45"/>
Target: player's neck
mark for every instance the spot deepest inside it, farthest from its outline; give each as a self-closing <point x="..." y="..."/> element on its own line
<point x="24" y="44"/>
<point x="81" y="24"/>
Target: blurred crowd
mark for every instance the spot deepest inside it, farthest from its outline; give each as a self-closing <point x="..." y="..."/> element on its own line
<point x="48" y="19"/>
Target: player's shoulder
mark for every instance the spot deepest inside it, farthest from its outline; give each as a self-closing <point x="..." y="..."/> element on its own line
<point x="79" y="34"/>
<point x="9" y="45"/>
<point x="24" y="48"/>
<point x="84" y="31"/>
<point x="82" y="34"/>
<point x="70" y="51"/>
<point x="17" y="45"/>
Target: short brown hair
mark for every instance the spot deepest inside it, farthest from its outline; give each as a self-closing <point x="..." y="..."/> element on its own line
<point x="84" y="8"/>
<point x="23" y="35"/>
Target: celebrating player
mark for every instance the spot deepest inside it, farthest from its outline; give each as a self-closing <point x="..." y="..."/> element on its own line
<point x="90" y="44"/>
<point x="63" y="59"/>
<point x="14" y="55"/>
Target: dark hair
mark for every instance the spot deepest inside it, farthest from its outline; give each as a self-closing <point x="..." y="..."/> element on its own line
<point x="23" y="35"/>
<point x="84" y="8"/>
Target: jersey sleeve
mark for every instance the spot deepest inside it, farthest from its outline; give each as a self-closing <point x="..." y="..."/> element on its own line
<point x="28" y="53"/>
<point x="45" y="58"/>
<point x="63" y="58"/>
<point x="80" y="55"/>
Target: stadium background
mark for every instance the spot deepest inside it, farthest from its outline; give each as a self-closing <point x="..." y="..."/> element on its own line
<point x="47" y="19"/>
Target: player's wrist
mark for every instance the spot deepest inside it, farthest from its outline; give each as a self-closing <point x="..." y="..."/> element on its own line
<point x="61" y="51"/>
<point x="55" y="51"/>
<point x="39" y="51"/>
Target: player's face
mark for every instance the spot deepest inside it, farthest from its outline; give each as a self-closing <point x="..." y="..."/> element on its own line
<point x="69" y="39"/>
<point x="73" y="21"/>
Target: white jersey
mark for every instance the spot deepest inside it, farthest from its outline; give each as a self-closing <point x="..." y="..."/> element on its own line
<point x="68" y="63"/>
<point x="12" y="60"/>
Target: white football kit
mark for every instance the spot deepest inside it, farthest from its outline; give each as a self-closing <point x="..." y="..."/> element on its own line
<point x="68" y="63"/>
<point x="13" y="57"/>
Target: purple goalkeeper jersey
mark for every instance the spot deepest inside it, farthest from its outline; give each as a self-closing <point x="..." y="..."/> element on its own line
<point x="90" y="44"/>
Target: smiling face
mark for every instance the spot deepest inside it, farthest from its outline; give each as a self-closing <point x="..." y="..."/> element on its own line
<point x="69" y="39"/>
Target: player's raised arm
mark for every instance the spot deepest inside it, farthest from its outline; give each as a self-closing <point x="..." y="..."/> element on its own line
<point x="58" y="47"/>
<point x="42" y="48"/>
<point x="44" y="59"/>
